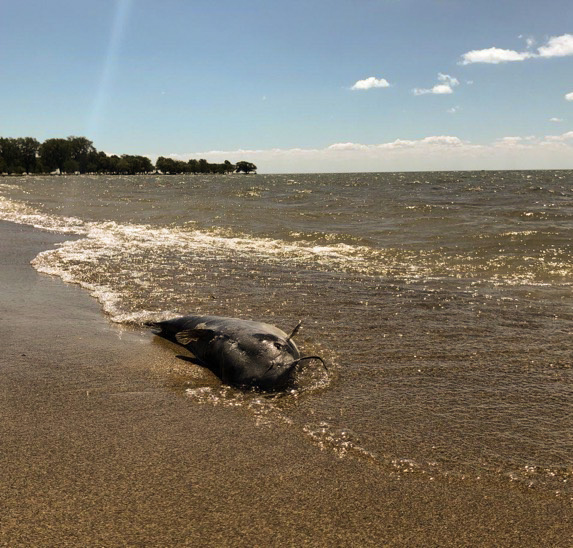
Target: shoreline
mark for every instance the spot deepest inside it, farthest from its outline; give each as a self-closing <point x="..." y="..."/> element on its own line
<point x="100" y="446"/>
<point x="281" y="173"/>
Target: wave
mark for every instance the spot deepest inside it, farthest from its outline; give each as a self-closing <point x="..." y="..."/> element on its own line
<point x="21" y="213"/>
<point x="138" y="270"/>
<point x="124" y="266"/>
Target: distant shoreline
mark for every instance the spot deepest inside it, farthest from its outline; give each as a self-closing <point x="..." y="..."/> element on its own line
<point x="78" y="155"/>
<point x="142" y="174"/>
<point x="94" y="174"/>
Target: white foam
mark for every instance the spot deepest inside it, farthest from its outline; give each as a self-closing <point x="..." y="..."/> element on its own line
<point x="18" y="212"/>
<point x="116" y="261"/>
<point x="95" y="262"/>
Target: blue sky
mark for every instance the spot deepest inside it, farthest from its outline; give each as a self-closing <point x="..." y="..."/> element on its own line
<point x="314" y="85"/>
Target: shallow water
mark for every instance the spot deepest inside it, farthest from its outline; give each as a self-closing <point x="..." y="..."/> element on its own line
<point x="441" y="301"/>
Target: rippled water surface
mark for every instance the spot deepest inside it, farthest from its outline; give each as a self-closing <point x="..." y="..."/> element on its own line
<point x="441" y="301"/>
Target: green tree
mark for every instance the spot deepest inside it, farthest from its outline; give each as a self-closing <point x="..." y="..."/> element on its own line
<point x="141" y="164"/>
<point x="135" y="164"/>
<point x="54" y="153"/>
<point x="113" y="164"/>
<point x="10" y="153"/>
<point x="229" y="167"/>
<point x="92" y="163"/>
<point x="171" y="166"/>
<point x="40" y="168"/>
<point x="165" y="165"/>
<point x="80" y="149"/>
<point x="71" y="166"/>
<point x="27" y="152"/>
<point x="101" y="162"/>
<point x="245" y="167"/>
<point x="123" y="166"/>
<point x="203" y="166"/>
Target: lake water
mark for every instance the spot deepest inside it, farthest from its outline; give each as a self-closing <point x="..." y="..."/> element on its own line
<point x="442" y="302"/>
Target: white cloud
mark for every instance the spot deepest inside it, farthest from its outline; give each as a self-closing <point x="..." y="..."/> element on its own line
<point x="444" y="140"/>
<point x="569" y="96"/>
<point x="510" y="142"/>
<point x="446" y="78"/>
<point x="448" y="82"/>
<point x="493" y="56"/>
<point x="556" y="46"/>
<point x="371" y="82"/>
<point x="348" y="146"/>
<point x="453" y="110"/>
<point x="555" y="119"/>
<point x="438" y="89"/>
<point x="529" y="41"/>
<point x="559" y="138"/>
<point x="397" y="144"/>
<point x="514" y="142"/>
<point x="434" y="140"/>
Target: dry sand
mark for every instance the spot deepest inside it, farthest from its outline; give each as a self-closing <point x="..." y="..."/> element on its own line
<point x="98" y="449"/>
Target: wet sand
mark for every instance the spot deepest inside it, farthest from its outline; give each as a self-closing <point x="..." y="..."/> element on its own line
<point x="98" y="448"/>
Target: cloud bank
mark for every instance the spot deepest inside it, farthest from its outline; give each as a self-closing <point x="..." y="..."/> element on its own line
<point x="435" y="152"/>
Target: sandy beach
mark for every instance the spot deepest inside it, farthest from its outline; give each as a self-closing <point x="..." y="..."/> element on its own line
<point x="99" y="446"/>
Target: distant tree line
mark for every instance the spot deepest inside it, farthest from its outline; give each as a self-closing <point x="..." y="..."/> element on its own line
<point x="78" y="155"/>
